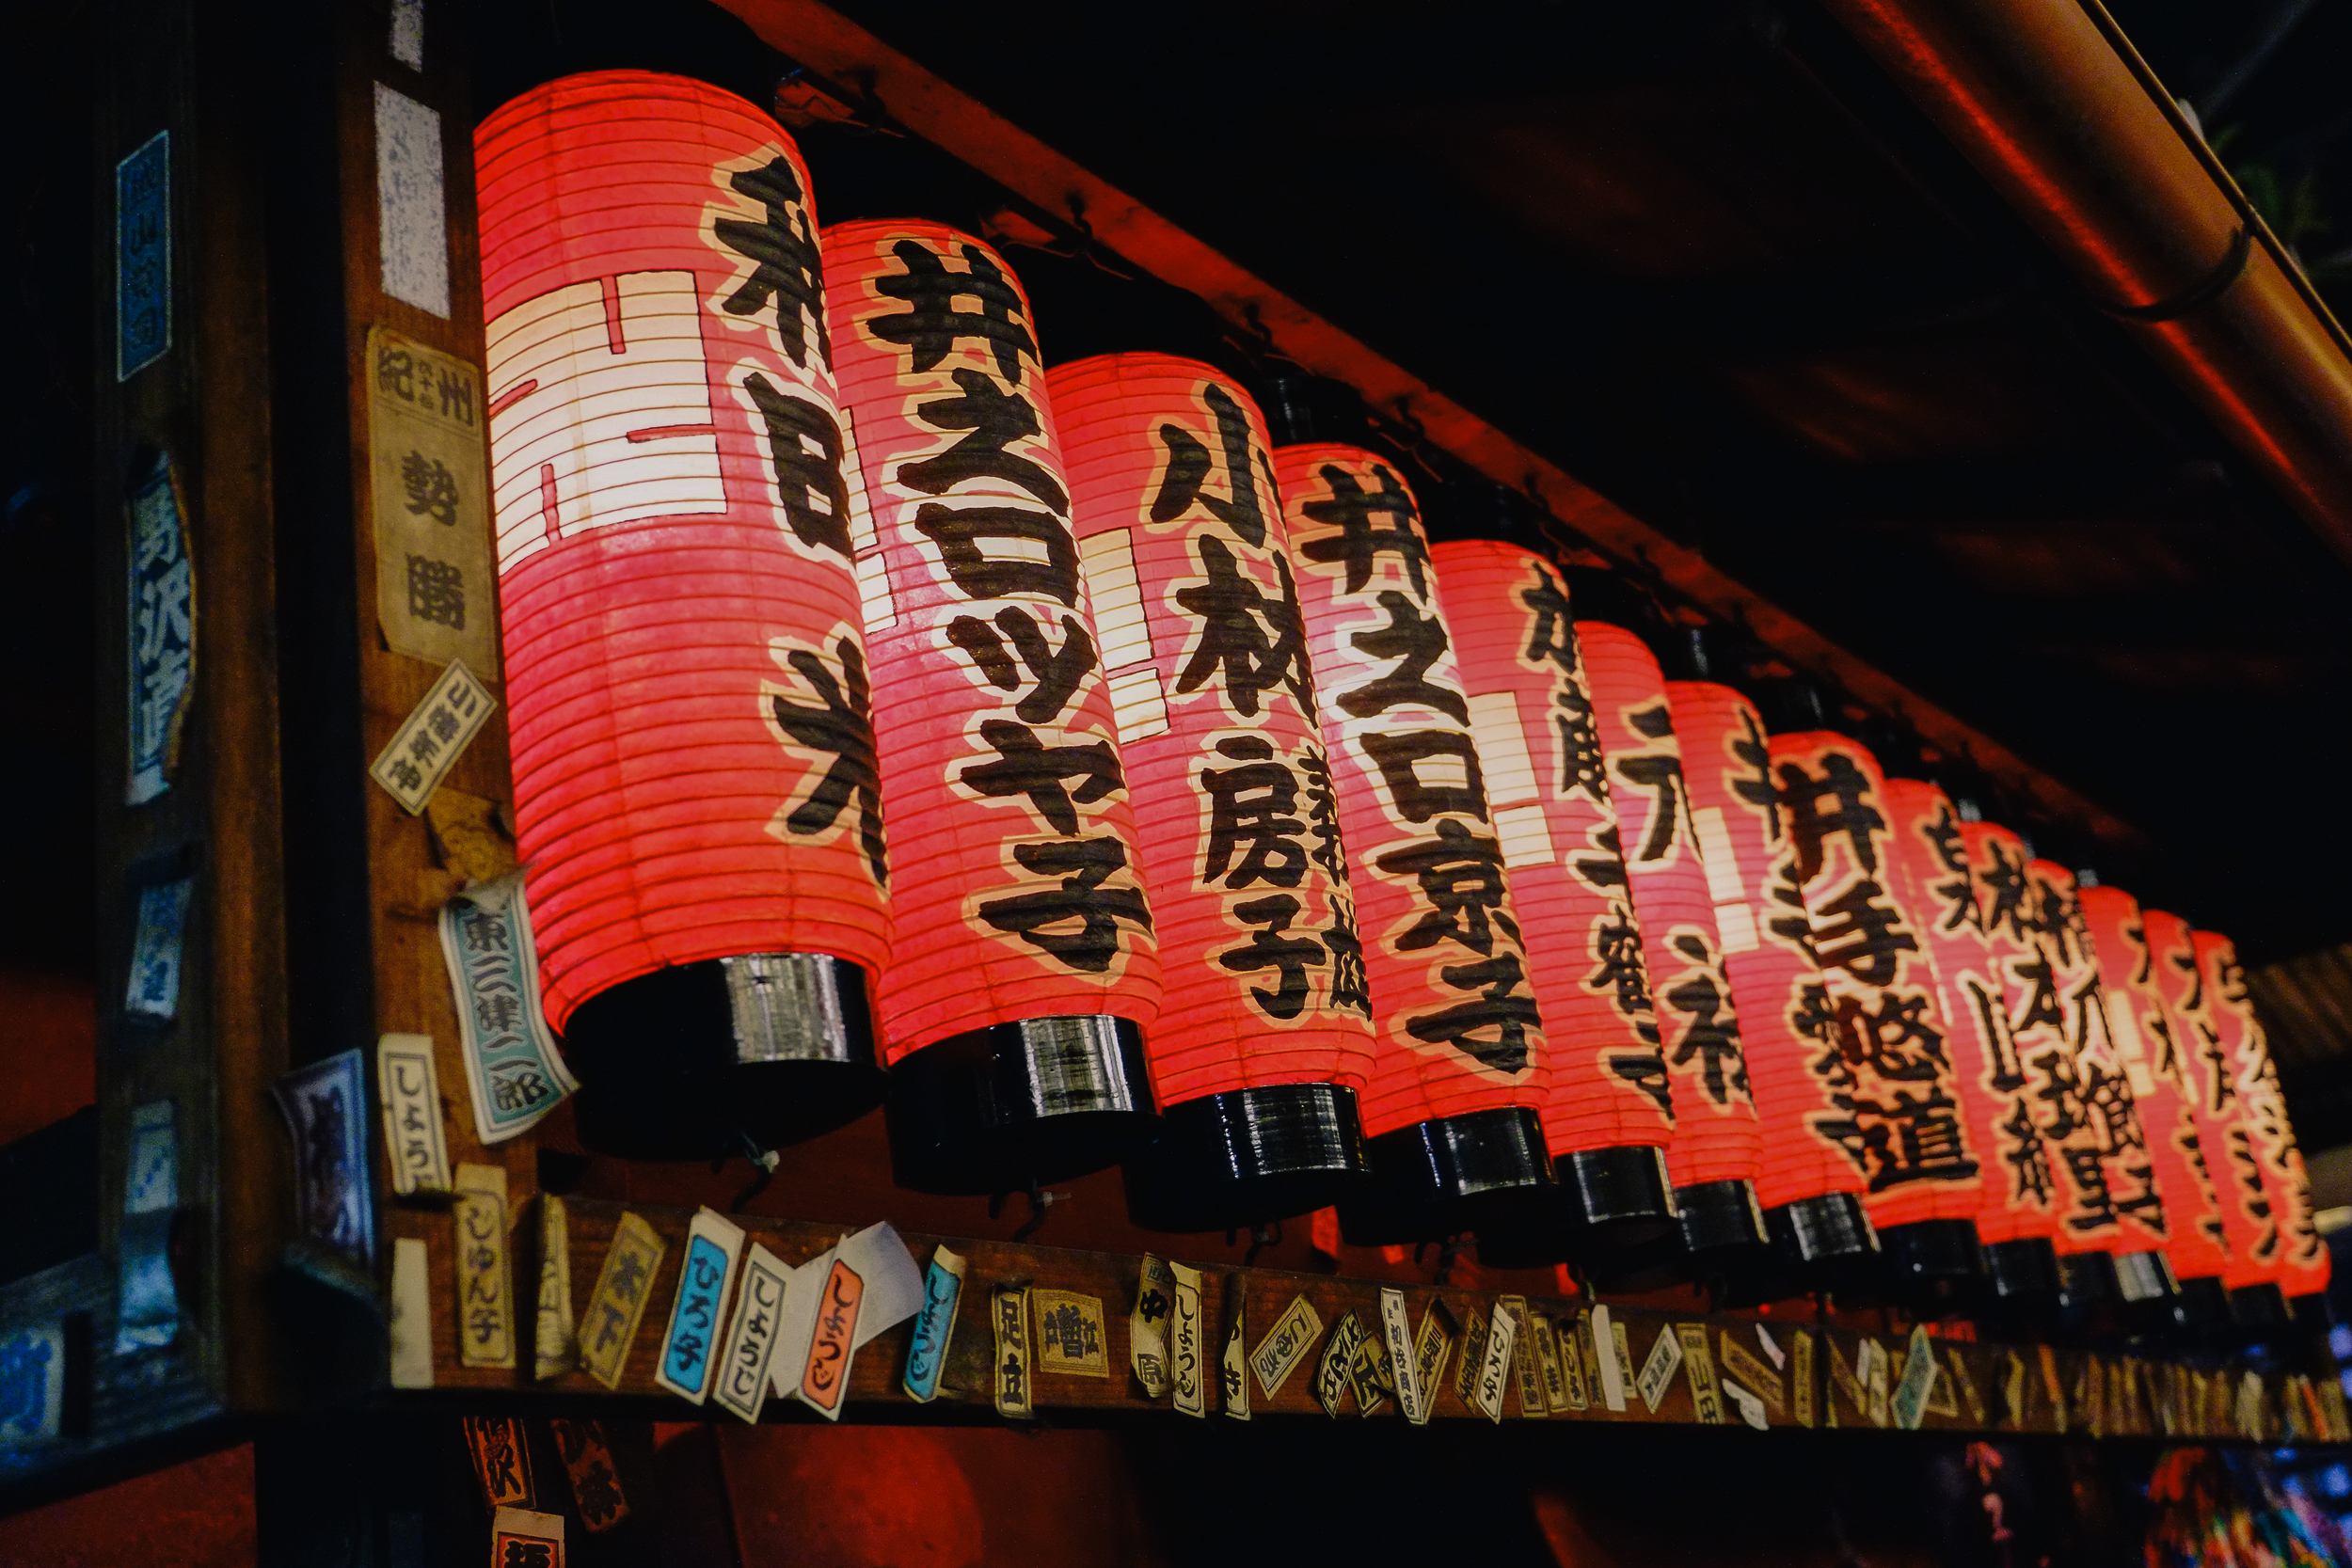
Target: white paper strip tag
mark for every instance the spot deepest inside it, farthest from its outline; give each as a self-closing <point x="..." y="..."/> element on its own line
<point x="411" y="201"/>
<point x="1396" y="1327"/>
<point x="1658" y="1372"/>
<point x="1187" y="1376"/>
<point x="1234" y="1370"/>
<point x="485" y="1306"/>
<point x="1605" y="1360"/>
<point x="154" y="990"/>
<point x="431" y="739"/>
<point x="555" y="1348"/>
<point x="1494" y="1373"/>
<point x="411" y="1314"/>
<point x="1147" y="1325"/>
<point x="413" y="1140"/>
<point x="522" y="1539"/>
<point x="699" y="1311"/>
<point x="741" y="1386"/>
<point x="869" y="1285"/>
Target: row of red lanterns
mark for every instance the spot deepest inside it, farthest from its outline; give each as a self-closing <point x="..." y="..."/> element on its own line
<point x="1127" y="786"/>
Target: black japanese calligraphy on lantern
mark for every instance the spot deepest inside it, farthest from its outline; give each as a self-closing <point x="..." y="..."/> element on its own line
<point x="993" y="420"/>
<point x="931" y="325"/>
<point x="1249" y="640"/>
<point x="1013" y="646"/>
<point x="1838" y="801"/>
<point x="1661" y="773"/>
<point x="839" y="724"/>
<point x="1184" y="480"/>
<point x="804" y="449"/>
<point x="1273" y="945"/>
<point x="1402" y="757"/>
<point x="1860" y="932"/>
<point x="782" y="248"/>
<point x="1360" y="541"/>
<point x="1551" y="640"/>
<point x="963" y="535"/>
<point x="1075" y="921"/>
<point x="1415" y="642"/>
<point x="1709" y="1033"/>
<point x="1255" y="834"/>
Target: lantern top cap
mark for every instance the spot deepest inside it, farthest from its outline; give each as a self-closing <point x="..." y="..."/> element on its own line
<point x="570" y="93"/>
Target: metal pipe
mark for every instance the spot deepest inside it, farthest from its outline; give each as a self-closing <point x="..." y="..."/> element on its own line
<point x="2056" y="108"/>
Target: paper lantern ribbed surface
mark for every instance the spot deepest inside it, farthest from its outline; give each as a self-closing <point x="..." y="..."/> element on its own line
<point x="2146" y="1047"/>
<point x="2014" y="1201"/>
<point x="2248" y="1233"/>
<point x="1187" y="560"/>
<point x="687" y="690"/>
<point x="1891" y="1074"/>
<point x="1456" y="1026"/>
<point x="1767" y="940"/>
<point x="1716" y="1136"/>
<point x="1548" y="790"/>
<point x="2270" y="1140"/>
<point x="1018" y="892"/>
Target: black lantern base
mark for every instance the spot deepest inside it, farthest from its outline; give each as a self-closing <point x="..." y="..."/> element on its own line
<point x="2145" y="1288"/>
<point x="1002" y="1109"/>
<point x="1480" y="1170"/>
<point x="1226" y="1161"/>
<point x="1933" y="1264"/>
<point x="2259" y="1309"/>
<point x="1825" y="1242"/>
<point x="734" y="1055"/>
<point x="2309" y="1311"/>
<point x="2021" y="1281"/>
<point x="2201" y="1308"/>
<point x="2086" y="1284"/>
<point x="1611" y="1200"/>
<point x="1718" y="1236"/>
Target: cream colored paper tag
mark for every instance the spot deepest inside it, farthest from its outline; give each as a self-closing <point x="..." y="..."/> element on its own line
<point x="1147" y="1326"/>
<point x="1432" y="1346"/>
<point x="1800" y="1379"/>
<point x="1233" y="1366"/>
<point x="1332" y="1381"/>
<point x="1575" y="1357"/>
<point x="1966" y="1382"/>
<point x="485" y="1306"/>
<point x="1473" y="1361"/>
<point x="1751" y="1409"/>
<point x="1758" y="1379"/>
<point x="1698" y="1363"/>
<point x="431" y="739"/>
<point x="1658" y="1371"/>
<point x="1188" y="1351"/>
<point x="617" y="1305"/>
<point x="1547" y="1363"/>
<point x="1072" y="1340"/>
<point x="1843" y="1381"/>
<point x="1494" y="1369"/>
<point x="1285" y="1345"/>
<point x="2053" y="1386"/>
<point x="519" y="1536"/>
<point x="1403" y="1358"/>
<point x="1523" y="1366"/>
<point x="414" y="1143"/>
<point x="1008" y="1314"/>
<point x="435" y="593"/>
<point x="555" y="1345"/>
<point x="1909" y="1404"/>
<point x="411" y="1314"/>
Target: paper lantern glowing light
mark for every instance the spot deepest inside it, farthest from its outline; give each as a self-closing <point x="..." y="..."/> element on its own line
<point x="1608" y="1108"/>
<point x="687" y="677"/>
<point x="1901" y="1118"/>
<point x="1714" y="1154"/>
<point x="1459" y="1048"/>
<point x="1810" y="1190"/>
<point x="1264" y="1033"/>
<point x="1023" y="969"/>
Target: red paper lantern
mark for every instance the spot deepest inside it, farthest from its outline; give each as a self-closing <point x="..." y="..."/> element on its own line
<point x="2014" y="1217"/>
<point x="1714" y="1155"/>
<point x="1903" y="1119"/>
<point x="1460" y="1050"/>
<point x="1608" y="1108"/>
<point x="686" y="674"/>
<point x="1811" y="1191"/>
<point x="2294" y="1256"/>
<point x="2147" y="1048"/>
<point x="1264" y="1034"/>
<point x="2249" y="1231"/>
<point x="1023" y="969"/>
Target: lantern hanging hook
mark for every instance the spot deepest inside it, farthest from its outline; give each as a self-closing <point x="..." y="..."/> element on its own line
<point x="1447" y="1252"/>
<point x="1263" y="1235"/>
<point x="764" y="1161"/>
